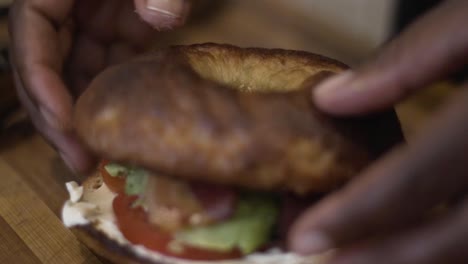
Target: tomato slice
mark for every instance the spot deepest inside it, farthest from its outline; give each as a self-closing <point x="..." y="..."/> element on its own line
<point x="115" y="184"/>
<point x="134" y="225"/>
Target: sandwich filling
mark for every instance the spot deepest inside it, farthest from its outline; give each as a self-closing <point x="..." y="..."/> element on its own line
<point x="189" y="220"/>
<point x="109" y="204"/>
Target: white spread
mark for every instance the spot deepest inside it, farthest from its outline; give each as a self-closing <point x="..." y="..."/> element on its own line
<point x="75" y="191"/>
<point x="94" y="206"/>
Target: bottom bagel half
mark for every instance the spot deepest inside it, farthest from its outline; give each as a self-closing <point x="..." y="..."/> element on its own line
<point x="89" y="214"/>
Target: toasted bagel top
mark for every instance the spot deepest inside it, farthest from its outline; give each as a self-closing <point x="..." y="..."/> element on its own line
<point x="229" y="115"/>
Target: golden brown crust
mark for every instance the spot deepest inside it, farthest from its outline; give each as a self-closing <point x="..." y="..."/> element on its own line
<point x="229" y="115"/>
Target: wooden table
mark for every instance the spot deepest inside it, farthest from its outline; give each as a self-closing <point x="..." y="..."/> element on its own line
<point x="31" y="195"/>
<point x="32" y="177"/>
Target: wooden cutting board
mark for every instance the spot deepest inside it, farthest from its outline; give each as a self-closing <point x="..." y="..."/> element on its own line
<point x="32" y="192"/>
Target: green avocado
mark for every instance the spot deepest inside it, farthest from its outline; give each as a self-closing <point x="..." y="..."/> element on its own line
<point x="249" y="228"/>
<point x="115" y="169"/>
<point x="135" y="181"/>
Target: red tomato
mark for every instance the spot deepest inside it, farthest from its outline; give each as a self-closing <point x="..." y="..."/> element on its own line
<point x="134" y="225"/>
<point x="115" y="184"/>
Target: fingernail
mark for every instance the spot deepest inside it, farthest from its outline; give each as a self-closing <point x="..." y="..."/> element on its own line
<point x="171" y="8"/>
<point x="311" y="243"/>
<point x="333" y="87"/>
<point x="68" y="161"/>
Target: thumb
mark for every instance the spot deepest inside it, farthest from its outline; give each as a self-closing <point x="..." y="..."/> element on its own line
<point x="431" y="48"/>
<point x="163" y="14"/>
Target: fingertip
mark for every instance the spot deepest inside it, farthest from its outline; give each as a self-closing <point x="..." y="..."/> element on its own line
<point x="329" y="95"/>
<point x="306" y="235"/>
<point x="162" y="14"/>
<point x="76" y="157"/>
<point x="310" y="242"/>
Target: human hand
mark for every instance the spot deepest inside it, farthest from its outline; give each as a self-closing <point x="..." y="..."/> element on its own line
<point x="385" y="214"/>
<point x="58" y="46"/>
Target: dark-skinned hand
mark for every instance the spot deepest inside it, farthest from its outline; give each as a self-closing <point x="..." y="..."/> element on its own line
<point x="383" y="215"/>
<point x="58" y="46"/>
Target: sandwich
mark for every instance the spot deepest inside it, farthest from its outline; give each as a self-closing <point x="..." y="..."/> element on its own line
<point x="209" y="153"/>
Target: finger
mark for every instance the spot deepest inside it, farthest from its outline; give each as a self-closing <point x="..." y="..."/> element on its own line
<point x="120" y="52"/>
<point x="434" y="46"/>
<point x="99" y="19"/>
<point x="71" y="152"/>
<point x="163" y="14"/>
<point x="87" y="58"/>
<point x="37" y="56"/>
<point x="83" y="66"/>
<point x="440" y="242"/>
<point x="110" y="32"/>
<point x="132" y="30"/>
<point x="394" y="190"/>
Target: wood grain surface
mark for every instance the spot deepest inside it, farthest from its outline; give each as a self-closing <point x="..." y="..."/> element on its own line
<point x="32" y="177"/>
<point x="31" y="195"/>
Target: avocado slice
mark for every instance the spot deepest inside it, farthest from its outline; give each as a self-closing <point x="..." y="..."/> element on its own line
<point x="249" y="228"/>
<point x="136" y="178"/>
<point x="115" y="169"/>
<point x="135" y="183"/>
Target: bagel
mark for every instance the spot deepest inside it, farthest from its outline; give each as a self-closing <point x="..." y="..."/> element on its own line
<point x="229" y="115"/>
<point x="235" y="121"/>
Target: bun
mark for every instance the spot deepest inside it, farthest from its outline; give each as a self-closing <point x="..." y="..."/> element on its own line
<point x="229" y="115"/>
<point x="94" y="236"/>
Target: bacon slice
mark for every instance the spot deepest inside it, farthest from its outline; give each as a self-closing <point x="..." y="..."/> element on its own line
<point x="173" y="204"/>
<point x="217" y="201"/>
